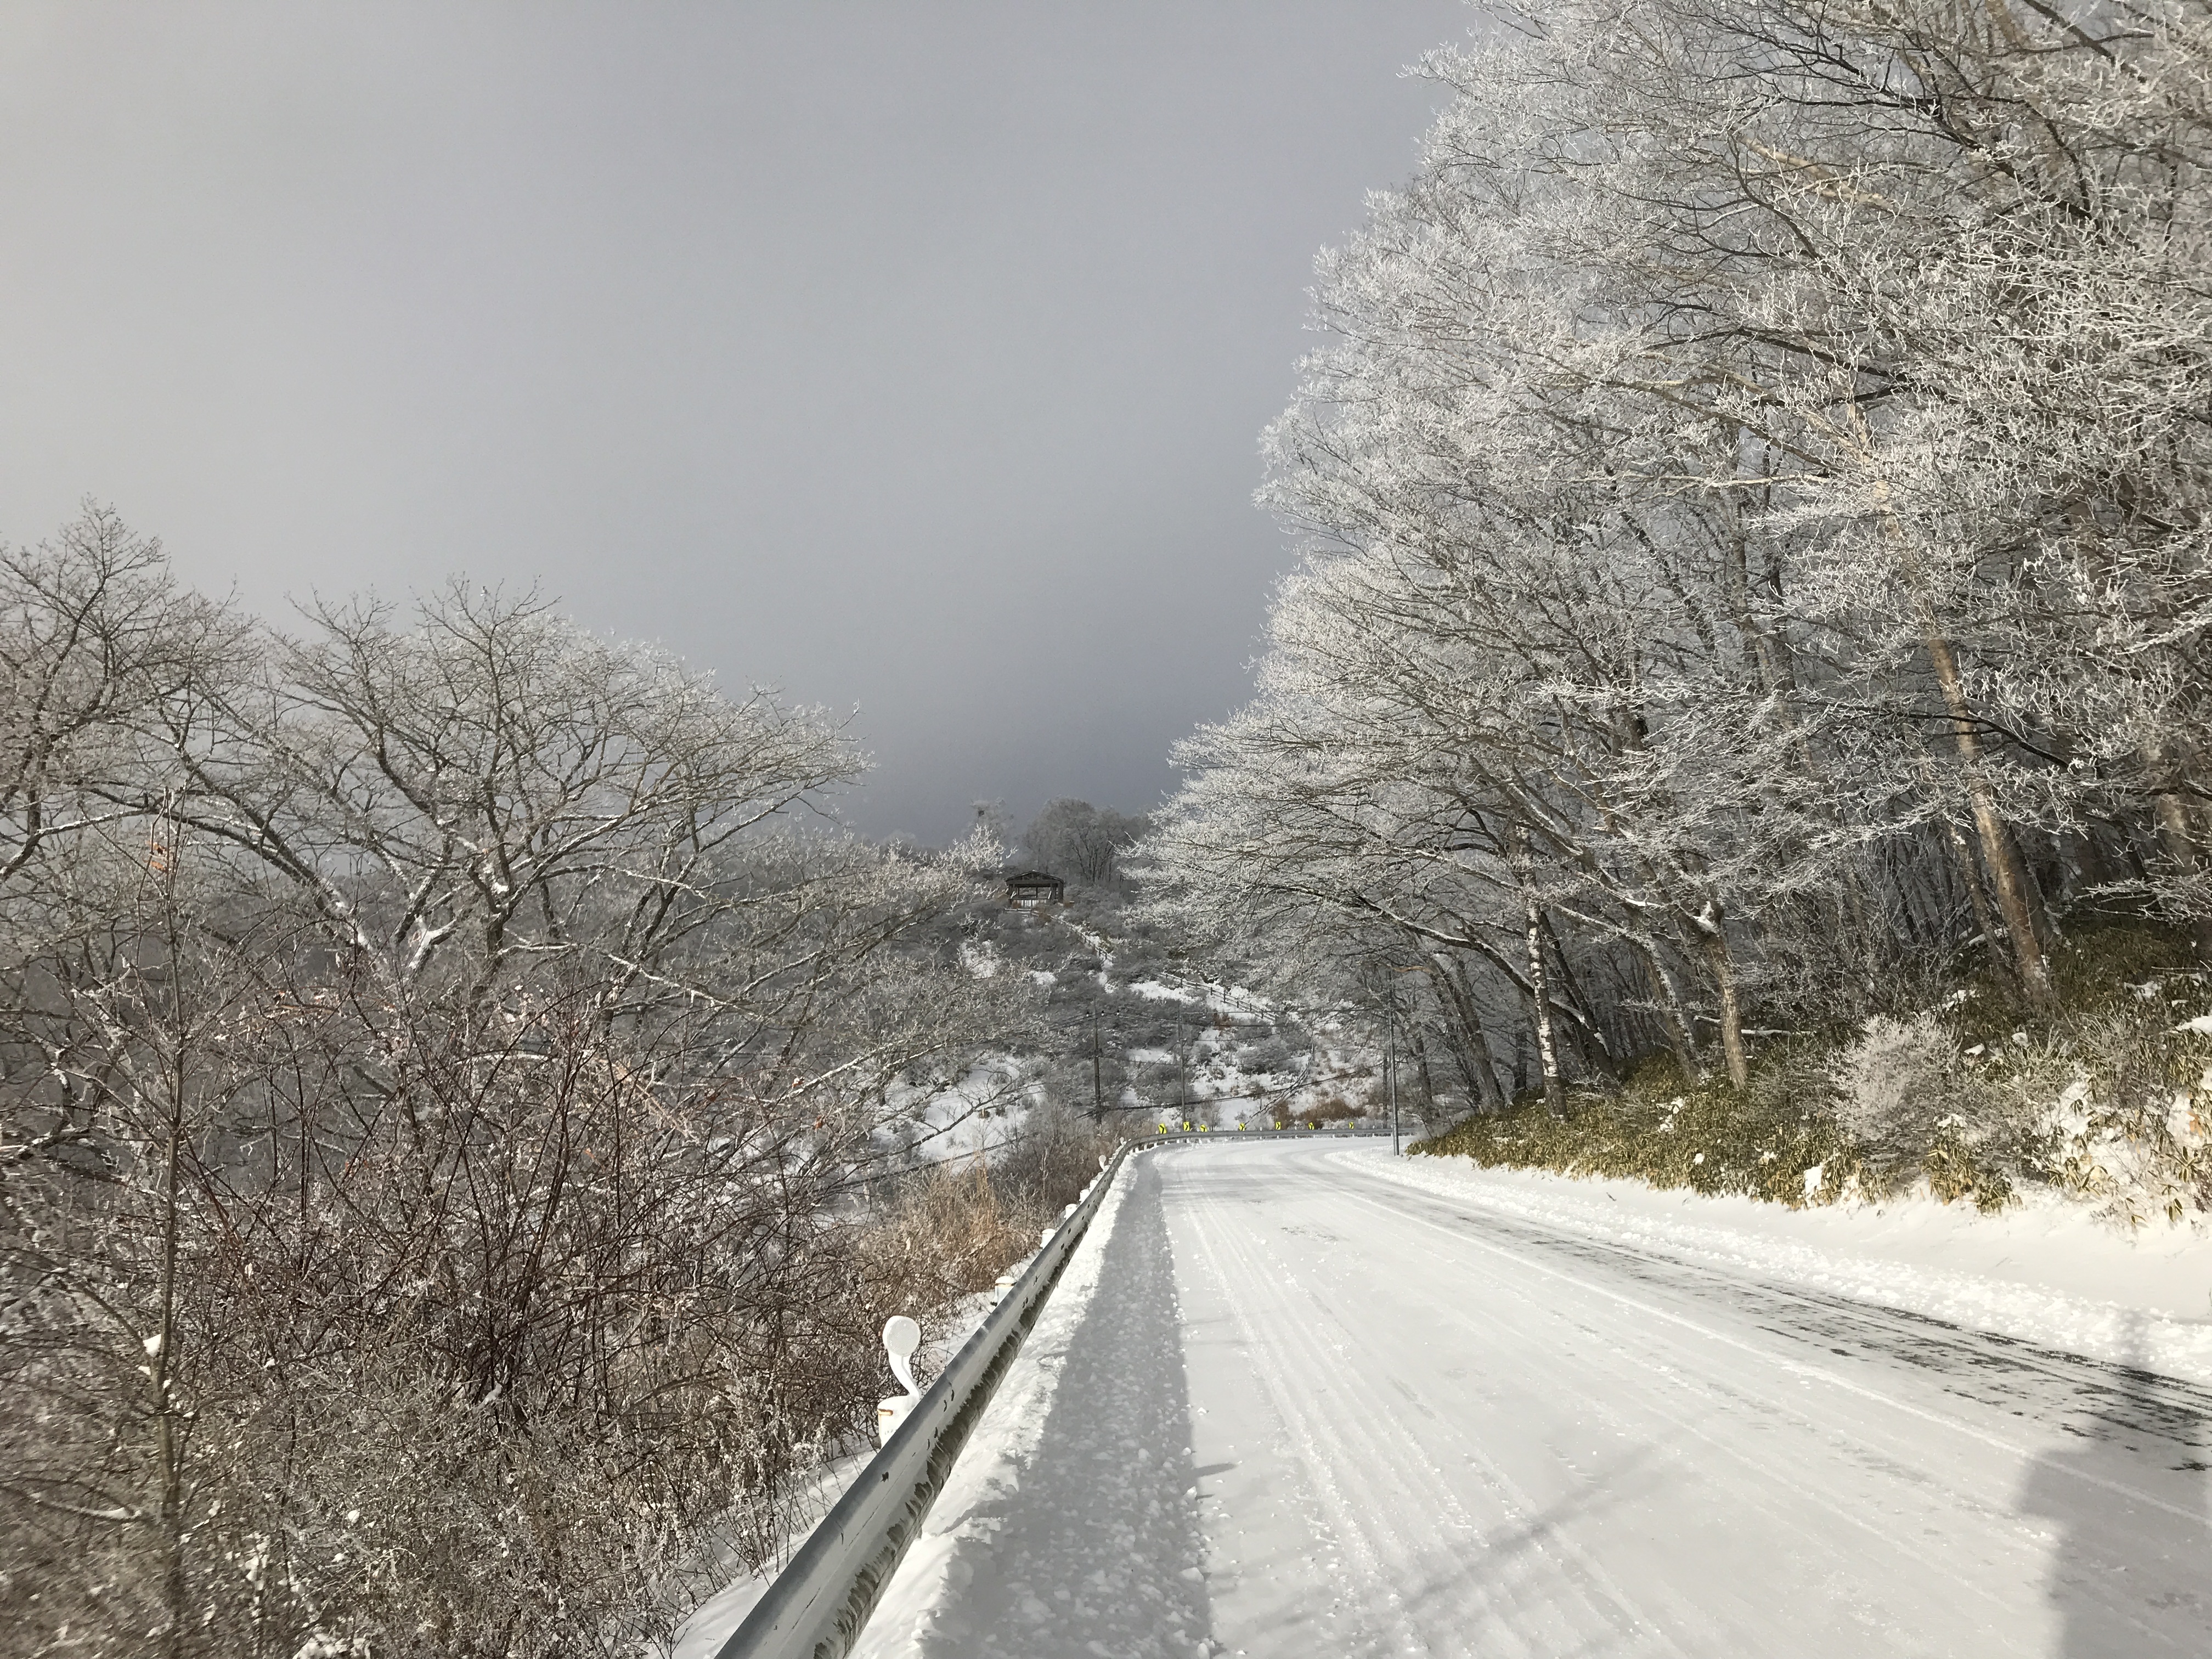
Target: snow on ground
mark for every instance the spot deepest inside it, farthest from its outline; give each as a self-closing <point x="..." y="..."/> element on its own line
<point x="712" y="1621"/>
<point x="2046" y="1271"/>
<point x="1300" y="1398"/>
<point x="1160" y="991"/>
<point x="1303" y="1402"/>
<point x="1232" y="1000"/>
<point x="981" y="1110"/>
<point x="1070" y="1516"/>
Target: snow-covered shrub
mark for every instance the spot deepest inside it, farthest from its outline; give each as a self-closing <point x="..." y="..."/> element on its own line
<point x="1919" y="1105"/>
<point x="1925" y="1107"/>
<point x="1893" y="1085"/>
<point x="380" y="1514"/>
<point x="2125" y="1109"/>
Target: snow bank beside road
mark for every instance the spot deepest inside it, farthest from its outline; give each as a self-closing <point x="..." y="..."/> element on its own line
<point x="961" y="1532"/>
<point x="2043" y="1273"/>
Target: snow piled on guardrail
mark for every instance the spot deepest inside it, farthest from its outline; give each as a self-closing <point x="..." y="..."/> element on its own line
<point x="962" y="1535"/>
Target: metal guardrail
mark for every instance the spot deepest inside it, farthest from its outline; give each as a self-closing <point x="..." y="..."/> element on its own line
<point x="816" y="1606"/>
<point x="819" y="1603"/>
<point x="1263" y="1134"/>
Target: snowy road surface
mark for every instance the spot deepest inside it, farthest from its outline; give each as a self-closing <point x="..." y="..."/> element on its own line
<point x="1307" y="1410"/>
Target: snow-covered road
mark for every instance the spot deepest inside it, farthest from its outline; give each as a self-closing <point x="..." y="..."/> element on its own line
<point x="1309" y="1410"/>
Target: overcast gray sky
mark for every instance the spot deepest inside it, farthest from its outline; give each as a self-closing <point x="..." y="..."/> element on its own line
<point x="903" y="356"/>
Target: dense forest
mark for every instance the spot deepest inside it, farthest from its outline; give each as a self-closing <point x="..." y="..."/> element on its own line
<point x="1750" y="643"/>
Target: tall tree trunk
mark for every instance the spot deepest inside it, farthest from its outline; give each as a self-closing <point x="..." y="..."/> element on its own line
<point x="1472" y="1047"/>
<point x="2008" y="875"/>
<point x="2169" y="816"/>
<point x="168" y="1432"/>
<point x="1999" y="857"/>
<point x="1984" y="918"/>
<point x="1589" y="1040"/>
<point x="1680" y="1036"/>
<point x="1421" y="1065"/>
<point x="1485" y="1065"/>
<point x="1733" y="1053"/>
<point x="1539" y="978"/>
<point x="1775" y="674"/>
<point x="2047" y="931"/>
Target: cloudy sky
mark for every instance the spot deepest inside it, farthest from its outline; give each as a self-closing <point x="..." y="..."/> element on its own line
<point x="908" y="356"/>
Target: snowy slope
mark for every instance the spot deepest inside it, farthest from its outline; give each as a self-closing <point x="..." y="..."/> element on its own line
<point x="1309" y="1408"/>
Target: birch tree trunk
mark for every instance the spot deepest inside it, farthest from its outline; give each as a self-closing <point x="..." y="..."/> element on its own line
<point x="1540" y="982"/>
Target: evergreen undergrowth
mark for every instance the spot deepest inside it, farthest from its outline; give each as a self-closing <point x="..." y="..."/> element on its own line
<point x="1713" y="1139"/>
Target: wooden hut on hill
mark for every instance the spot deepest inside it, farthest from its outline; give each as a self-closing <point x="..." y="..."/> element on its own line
<point x="1033" y="887"/>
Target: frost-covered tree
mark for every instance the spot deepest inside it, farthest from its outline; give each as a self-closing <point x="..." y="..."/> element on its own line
<point x="1082" y="842"/>
<point x="1751" y="503"/>
<point x="437" y="1062"/>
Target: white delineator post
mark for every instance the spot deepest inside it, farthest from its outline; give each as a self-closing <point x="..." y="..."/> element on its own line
<point x="901" y="1336"/>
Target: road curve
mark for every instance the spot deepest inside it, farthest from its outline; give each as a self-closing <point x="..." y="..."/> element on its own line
<point x="1312" y="1411"/>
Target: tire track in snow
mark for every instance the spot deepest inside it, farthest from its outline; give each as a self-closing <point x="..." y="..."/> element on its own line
<point x="1782" y="1508"/>
<point x="1410" y="1429"/>
<point x="1285" y="1344"/>
<point x="1765" y="1491"/>
<point x="1526" y="1586"/>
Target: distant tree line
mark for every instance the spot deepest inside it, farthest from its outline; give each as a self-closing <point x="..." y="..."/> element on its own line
<point x="1082" y="843"/>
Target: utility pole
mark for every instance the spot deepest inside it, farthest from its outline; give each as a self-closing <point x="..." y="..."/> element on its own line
<point x="1097" y="1095"/>
<point x="1183" y="1065"/>
<point x="1390" y="1082"/>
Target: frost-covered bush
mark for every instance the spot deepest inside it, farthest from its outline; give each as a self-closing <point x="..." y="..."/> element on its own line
<point x="1919" y="1105"/>
<point x="378" y="1513"/>
<point x="2124" y="1107"/>
<point x="2111" y="1104"/>
<point x="1894" y="1083"/>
